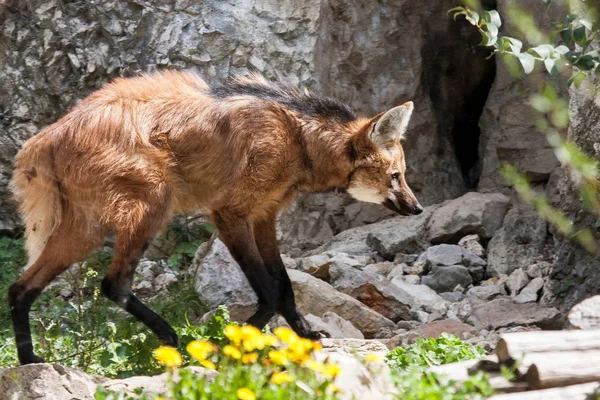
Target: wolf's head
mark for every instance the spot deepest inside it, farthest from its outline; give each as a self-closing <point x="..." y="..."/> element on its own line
<point x="379" y="166"/>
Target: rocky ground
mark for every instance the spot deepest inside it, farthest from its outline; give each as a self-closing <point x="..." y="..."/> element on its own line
<point x="455" y="268"/>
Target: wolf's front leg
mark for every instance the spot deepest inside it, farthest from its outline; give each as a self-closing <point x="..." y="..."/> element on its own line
<point x="237" y="234"/>
<point x="266" y="241"/>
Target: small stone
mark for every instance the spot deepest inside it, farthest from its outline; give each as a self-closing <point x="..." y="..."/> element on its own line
<point x="163" y="281"/>
<point x="408" y="325"/>
<point x="487" y="292"/>
<point x="411" y="279"/>
<point x="529" y="294"/>
<point x="452" y="297"/>
<point x="460" y="311"/>
<point x="405" y="258"/>
<point x="422" y="316"/>
<point x="517" y="281"/>
<point x="396" y="271"/>
<point x="539" y="270"/>
<point x="289" y="262"/>
<point x="381" y="268"/>
<point x="473" y="244"/>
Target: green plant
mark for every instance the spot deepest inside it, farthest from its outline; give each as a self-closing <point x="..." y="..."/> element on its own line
<point x="417" y="384"/>
<point x="429" y="352"/>
<point x="410" y="366"/>
<point x="252" y="365"/>
<point x="181" y="240"/>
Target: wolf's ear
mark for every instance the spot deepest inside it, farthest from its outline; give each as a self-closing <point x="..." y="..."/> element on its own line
<point x="389" y="127"/>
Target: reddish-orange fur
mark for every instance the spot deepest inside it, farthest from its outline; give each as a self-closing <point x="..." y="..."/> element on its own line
<point x="133" y="153"/>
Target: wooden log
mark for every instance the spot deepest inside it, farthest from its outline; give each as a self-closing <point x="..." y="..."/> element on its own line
<point x="575" y="392"/>
<point x="564" y="368"/>
<point x="516" y="345"/>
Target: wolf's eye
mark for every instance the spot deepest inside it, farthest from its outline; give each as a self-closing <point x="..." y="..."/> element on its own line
<point x="396" y="176"/>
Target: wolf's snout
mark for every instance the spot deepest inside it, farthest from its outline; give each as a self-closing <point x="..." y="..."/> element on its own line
<point x="418" y="209"/>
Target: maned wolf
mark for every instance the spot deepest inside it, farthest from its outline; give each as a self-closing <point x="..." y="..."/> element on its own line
<point x="138" y="150"/>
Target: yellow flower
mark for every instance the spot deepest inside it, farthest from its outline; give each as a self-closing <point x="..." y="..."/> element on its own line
<point x="315" y="366"/>
<point x="254" y="343"/>
<point x="285" y="334"/>
<point x="249" y="358"/>
<point x="232" y="351"/>
<point x="249" y="331"/>
<point x="270" y="340"/>
<point x="278" y="357"/>
<point x="334" y="388"/>
<point x="281" y="377"/>
<point x="234" y="333"/>
<point x="372" y="357"/>
<point x="168" y="356"/>
<point x="245" y="394"/>
<point x="208" y="364"/>
<point x="199" y="349"/>
<point x="332" y="370"/>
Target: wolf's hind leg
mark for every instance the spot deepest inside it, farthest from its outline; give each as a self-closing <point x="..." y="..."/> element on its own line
<point x="69" y="243"/>
<point x="133" y="239"/>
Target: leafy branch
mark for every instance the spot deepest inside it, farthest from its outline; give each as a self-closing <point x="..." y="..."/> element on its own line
<point x="573" y="47"/>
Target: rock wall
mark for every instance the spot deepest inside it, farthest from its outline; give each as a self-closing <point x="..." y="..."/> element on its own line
<point x="370" y="55"/>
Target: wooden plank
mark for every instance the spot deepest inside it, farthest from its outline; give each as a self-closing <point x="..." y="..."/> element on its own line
<point x="564" y="368"/>
<point x="575" y="392"/>
<point x="517" y="345"/>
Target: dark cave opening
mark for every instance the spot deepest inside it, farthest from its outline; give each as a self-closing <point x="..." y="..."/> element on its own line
<point x="458" y="76"/>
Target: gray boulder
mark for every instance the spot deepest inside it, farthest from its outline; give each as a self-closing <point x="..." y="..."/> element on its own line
<point x="447" y="255"/>
<point x="517" y="244"/>
<point x="220" y="280"/>
<point x="473" y="213"/>
<point x="489" y="292"/>
<point x="373" y="290"/>
<point x="314" y="296"/>
<point x="503" y="312"/>
<point x="336" y="326"/>
<point x="446" y="278"/>
<point x="399" y="235"/>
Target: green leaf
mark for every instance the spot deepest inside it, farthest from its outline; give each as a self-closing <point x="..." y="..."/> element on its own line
<point x="549" y="63"/>
<point x="547" y="2"/>
<point x="587" y="23"/>
<point x="570" y="18"/>
<point x="543" y="50"/>
<point x="585" y="63"/>
<point x="527" y="62"/>
<point x="562" y="49"/>
<point x="577" y="79"/>
<point x="567" y="35"/>
<point x="512" y="45"/>
<point x="493" y="18"/>
<point x="579" y="35"/>
<point x="472" y="17"/>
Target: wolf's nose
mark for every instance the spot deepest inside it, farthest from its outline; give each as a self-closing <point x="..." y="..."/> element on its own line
<point x="418" y="209"/>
